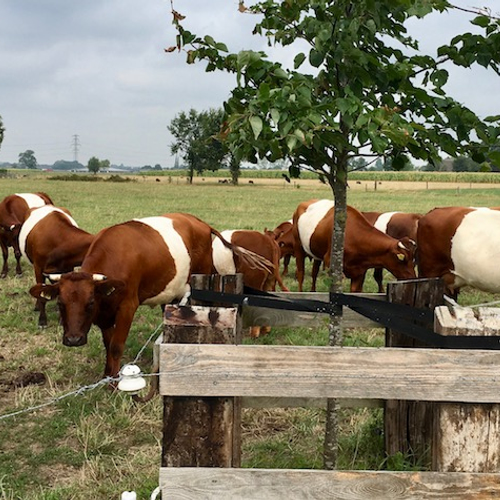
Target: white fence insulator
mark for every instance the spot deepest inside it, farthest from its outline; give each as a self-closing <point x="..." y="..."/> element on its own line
<point x="129" y="495"/>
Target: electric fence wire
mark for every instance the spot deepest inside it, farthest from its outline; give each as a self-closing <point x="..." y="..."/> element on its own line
<point x="81" y="390"/>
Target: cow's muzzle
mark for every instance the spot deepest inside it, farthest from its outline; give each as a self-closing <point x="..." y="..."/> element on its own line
<point x="73" y="341"/>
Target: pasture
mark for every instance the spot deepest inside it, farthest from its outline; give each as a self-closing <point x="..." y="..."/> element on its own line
<point x="98" y="443"/>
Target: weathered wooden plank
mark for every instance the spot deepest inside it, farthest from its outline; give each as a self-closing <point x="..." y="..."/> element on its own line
<point x="329" y="372"/>
<point x="250" y="402"/>
<point x="278" y="317"/>
<point x="275" y="484"/>
<point x="467" y="321"/>
<point x="467" y="437"/>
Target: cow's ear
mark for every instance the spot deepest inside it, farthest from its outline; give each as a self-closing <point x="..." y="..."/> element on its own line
<point x="107" y="288"/>
<point x="47" y="292"/>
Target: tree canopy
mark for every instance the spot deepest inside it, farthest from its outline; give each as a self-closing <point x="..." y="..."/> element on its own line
<point x="359" y="87"/>
<point x="27" y="159"/>
<point x="95" y="165"/>
<point x="195" y="138"/>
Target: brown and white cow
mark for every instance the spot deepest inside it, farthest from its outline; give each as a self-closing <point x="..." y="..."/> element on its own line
<point x="396" y="224"/>
<point x="260" y="278"/>
<point x="52" y="241"/>
<point x="365" y="246"/>
<point x="462" y="246"/>
<point x="143" y="261"/>
<point x="13" y="211"/>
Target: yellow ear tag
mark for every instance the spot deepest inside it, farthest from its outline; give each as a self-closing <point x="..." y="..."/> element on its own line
<point x="401" y="257"/>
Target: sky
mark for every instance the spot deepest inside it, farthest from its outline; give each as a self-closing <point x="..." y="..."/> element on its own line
<point x="92" y="78"/>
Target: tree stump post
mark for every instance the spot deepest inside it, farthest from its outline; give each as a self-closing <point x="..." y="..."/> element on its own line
<point x="467" y="436"/>
<point x="203" y="432"/>
<point x="409" y="424"/>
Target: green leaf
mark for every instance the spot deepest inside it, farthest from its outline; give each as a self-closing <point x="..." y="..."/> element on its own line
<point x="209" y="41"/>
<point x="399" y="162"/>
<point x="478" y="157"/>
<point x="493" y="118"/>
<point x="494" y="157"/>
<point x="256" y="124"/>
<point x="221" y="46"/>
<point x="298" y="60"/>
<point x="316" y="58"/>
<point x="280" y="73"/>
<point x="275" y="115"/>
<point x="300" y="135"/>
<point x="482" y="21"/>
<point x="439" y="77"/>
<point x="291" y="142"/>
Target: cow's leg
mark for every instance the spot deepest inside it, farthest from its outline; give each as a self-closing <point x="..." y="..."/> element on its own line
<point x="40" y="303"/>
<point x="115" y="338"/>
<point x="17" y="255"/>
<point x="378" y="277"/>
<point x="5" y="255"/>
<point x="300" y="259"/>
<point x="357" y="283"/>
<point x="286" y="262"/>
<point x="315" y="272"/>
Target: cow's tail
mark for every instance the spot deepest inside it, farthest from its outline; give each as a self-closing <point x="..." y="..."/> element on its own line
<point x="253" y="260"/>
<point x="276" y="259"/>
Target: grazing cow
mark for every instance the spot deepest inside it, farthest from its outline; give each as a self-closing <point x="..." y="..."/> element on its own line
<point x="52" y="241"/>
<point x="143" y="261"/>
<point x="460" y="245"/>
<point x="365" y="247"/>
<point x="284" y="237"/>
<point x="13" y="211"/>
<point x="395" y="224"/>
<point x="264" y="244"/>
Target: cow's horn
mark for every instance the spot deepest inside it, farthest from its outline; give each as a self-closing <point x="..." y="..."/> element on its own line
<point x="54" y="277"/>
<point x="401" y="245"/>
<point x="99" y="277"/>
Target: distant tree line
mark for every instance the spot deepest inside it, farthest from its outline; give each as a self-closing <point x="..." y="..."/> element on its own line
<point x="459" y="164"/>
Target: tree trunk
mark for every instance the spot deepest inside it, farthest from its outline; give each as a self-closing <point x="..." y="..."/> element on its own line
<point x="234" y="167"/>
<point x="338" y="181"/>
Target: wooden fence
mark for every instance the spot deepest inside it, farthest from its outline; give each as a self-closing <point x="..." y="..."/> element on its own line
<point x="205" y="383"/>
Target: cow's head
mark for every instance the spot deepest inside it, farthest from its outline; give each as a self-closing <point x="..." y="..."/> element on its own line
<point x="10" y="233"/>
<point x="80" y="297"/>
<point x="283" y="235"/>
<point x="403" y="266"/>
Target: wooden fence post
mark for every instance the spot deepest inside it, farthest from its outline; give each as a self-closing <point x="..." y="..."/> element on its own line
<point x="408" y="424"/>
<point x="203" y="432"/>
<point x="467" y="436"/>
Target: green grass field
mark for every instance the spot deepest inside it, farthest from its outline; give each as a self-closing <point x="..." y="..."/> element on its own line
<point x="98" y="444"/>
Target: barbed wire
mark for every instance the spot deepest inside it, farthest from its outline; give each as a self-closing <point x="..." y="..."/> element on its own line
<point x="81" y="390"/>
<point x="146" y="344"/>
<point x="76" y="392"/>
